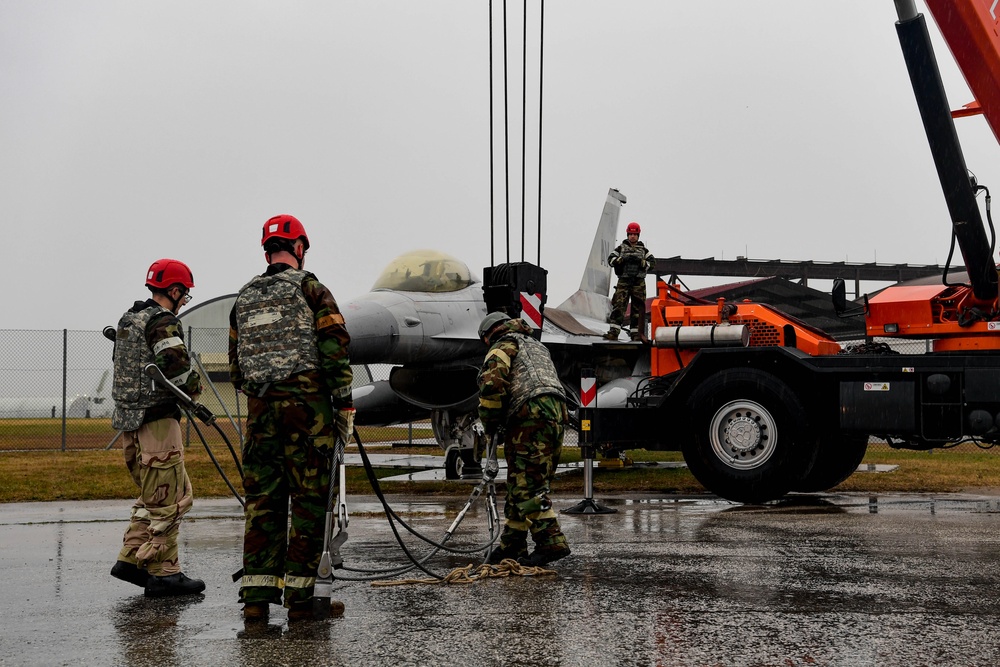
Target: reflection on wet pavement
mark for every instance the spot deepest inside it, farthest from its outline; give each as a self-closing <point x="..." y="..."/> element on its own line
<point x="812" y="580"/>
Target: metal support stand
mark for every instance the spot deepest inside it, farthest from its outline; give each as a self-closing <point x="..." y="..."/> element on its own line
<point x="588" y="505"/>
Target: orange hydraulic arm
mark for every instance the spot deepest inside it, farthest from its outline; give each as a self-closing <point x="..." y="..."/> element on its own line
<point x="972" y="30"/>
<point x="959" y="317"/>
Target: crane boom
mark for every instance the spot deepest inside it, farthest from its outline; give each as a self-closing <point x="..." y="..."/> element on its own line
<point x="925" y="77"/>
<point x="971" y="30"/>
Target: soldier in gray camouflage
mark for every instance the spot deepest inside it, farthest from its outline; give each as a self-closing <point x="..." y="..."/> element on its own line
<point x="288" y="352"/>
<point x="148" y="416"/>
<point x="520" y="393"/>
<point x="631" y="261"/>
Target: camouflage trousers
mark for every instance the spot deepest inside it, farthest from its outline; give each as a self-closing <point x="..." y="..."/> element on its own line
<point x="287" y="461"/>
<point x="154" y="456"/>
<point x="532" y="447"/>
<point x="626" y="292"/>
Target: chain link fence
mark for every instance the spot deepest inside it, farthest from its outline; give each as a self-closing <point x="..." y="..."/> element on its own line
<point x="55" y="392"/>
<point x="55" y="389"/>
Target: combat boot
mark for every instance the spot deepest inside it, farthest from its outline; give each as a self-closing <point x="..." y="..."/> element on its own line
<point x="324" y="608"/>
<point x="173" y="585"/>
<point x="636" y="336"/>
<point x="130" y="572"/>
<point x="612" y="333"/>
<point x="255" y="611"/>
<point x="303" y="611"/>
<point x="545" y="555"/>
<point x="513" y="551"/>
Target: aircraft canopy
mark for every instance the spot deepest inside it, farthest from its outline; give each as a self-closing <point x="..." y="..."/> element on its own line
<point x="424" y="271"/>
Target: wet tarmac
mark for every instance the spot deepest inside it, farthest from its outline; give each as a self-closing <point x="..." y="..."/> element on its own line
<point x="818" y="580"/>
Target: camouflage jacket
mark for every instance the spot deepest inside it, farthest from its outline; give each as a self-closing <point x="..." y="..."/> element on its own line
<point x="334" y="375"/>
<point x="631" y="262"/>
<point x="502" y="392"/>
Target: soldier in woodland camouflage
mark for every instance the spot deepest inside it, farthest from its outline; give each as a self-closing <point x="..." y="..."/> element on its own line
<point x="288" y="352"/>
<point x="631" y="261"/>
<point x="148" y="416"/>
<point x="520" y="394"/>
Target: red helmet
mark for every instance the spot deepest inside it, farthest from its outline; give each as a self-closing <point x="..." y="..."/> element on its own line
<point x="284" y="227"/>
<point x="166" y="272"/>
<point x="633" y="228"/>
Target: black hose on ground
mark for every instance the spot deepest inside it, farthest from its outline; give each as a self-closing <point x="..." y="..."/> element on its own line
<point x="393" y="517"/>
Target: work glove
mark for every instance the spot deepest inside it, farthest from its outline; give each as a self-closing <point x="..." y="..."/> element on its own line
<point x="345" y="424"/>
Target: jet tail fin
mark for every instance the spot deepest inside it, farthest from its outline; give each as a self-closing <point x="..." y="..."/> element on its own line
<point x="592" y="300"/>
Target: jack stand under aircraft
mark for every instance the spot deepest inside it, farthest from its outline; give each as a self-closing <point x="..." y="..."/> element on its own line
<point x="587" y="395"/>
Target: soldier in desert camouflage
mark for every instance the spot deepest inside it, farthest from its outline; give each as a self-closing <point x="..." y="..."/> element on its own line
<point x="148" y="416"/>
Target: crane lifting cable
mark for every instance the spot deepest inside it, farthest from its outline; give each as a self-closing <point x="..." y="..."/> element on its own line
<point x="505" y="100"/>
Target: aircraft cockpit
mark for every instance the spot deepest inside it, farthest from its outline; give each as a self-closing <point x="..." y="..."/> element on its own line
<point x="425" y="271"/>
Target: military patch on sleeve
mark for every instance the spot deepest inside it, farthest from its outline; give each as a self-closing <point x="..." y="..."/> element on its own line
<point x="499" y="354"/>
<point x="329" y="321"/>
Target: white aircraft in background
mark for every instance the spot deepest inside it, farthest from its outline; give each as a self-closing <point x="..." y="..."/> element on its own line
<point x="423" y="315"/>
<point x="51" y="407"/>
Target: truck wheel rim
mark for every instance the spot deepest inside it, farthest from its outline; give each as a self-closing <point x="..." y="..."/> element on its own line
<point x="743" y="434"/>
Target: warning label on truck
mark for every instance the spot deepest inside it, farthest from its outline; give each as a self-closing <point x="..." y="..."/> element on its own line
<point x="876" y="386"/>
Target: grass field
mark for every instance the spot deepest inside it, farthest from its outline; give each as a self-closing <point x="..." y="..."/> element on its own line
<point x="99" y="474"/>
<point x="25" y="435"/>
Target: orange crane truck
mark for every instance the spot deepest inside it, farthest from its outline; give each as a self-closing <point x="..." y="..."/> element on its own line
<point x="762" y="404"/>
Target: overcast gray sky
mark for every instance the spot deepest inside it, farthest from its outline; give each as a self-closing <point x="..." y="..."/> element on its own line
<point x="131" y="131"/>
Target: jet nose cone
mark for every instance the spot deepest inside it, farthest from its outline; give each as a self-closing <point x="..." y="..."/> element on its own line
<point x="374" y="331"/>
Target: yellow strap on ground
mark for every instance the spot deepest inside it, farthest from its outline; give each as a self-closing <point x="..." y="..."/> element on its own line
<point x="470" y="574"/>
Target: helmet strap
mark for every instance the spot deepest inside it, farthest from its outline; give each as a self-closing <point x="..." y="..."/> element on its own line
<point x="165" y="293"/>
<point x="179" y="301"/>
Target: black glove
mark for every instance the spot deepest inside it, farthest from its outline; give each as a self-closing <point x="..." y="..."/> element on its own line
<point x="203" y="413"/>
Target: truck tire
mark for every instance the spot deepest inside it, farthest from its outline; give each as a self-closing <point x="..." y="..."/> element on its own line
<point x="838" y="457"/>
<point x="748" y="440"/>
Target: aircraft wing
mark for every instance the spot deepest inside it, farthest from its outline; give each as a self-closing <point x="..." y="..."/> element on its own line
<point x="563" y="326"/>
